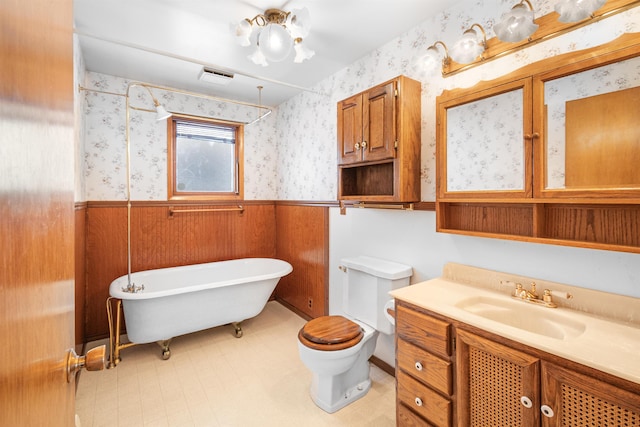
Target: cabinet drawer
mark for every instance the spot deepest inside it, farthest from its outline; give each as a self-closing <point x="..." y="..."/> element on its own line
<point x="425" y="331"/>
<point x="424" y="401"/>
<point x="425" y="366"/>
<point x="406" y="418"/>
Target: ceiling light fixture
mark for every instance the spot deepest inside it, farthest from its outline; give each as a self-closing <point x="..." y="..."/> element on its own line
<point x="517" y="24"/>
<point x="469" y="47"/>
<point x="577" y="10"/>
<point x="278" y="33"/>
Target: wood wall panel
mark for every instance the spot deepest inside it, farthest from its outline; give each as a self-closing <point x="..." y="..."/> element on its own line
<point x="488" y="218"/>
<point x="303" y="241"/>
<point x="80" y="265"/>
<point x="106" y="260"/>
<point x="158" y="240"/>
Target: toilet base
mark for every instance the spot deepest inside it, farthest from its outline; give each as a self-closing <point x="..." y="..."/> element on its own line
<point x="350" y="396"/>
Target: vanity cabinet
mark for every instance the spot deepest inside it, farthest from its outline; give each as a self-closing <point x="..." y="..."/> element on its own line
<point x="424" y="370"/>
<point x="379" y="143"/>
<point x="498" y="382"/>
<point x="547" y="153"/>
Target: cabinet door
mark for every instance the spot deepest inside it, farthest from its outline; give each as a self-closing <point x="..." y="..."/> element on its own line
<point x="575" y="400"/>
<point x="493" y="381"/>
<point x="350" y="130"/>
<point x="379" y="123"/>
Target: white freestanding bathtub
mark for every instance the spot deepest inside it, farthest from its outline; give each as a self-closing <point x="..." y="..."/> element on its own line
<point x="180" y="300"/>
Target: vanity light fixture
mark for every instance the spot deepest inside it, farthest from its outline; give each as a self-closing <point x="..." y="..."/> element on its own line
<point x="278" y="32"/>
<point x="517" y="24"/>
<point x="469" y="46"/>
<point x="577" y="10"/>
<point x="432" y="56"/>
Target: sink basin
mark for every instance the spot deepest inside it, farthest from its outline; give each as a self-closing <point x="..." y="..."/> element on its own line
<point x="522" y="315"/>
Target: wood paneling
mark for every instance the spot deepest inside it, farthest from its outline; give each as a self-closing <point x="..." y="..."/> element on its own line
<point x="80" y="265"/>
<point x="303" y="241"/>
<point x="608" y="224"/>
<point x="158" y="240"/>
<point x="488" y="218"/>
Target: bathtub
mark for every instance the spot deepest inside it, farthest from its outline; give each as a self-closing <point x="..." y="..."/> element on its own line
<point x="180" y="300"/>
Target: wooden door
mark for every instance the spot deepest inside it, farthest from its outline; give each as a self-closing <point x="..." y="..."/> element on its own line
<point x="350" y="130"/>
<point x="36" y="212"/>
<point x="492" y="380"/>
<point x="576" y="400"/>
<point x="379" y="123"/>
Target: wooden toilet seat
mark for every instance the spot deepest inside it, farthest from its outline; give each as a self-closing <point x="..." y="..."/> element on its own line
<point x="330" y="333"/>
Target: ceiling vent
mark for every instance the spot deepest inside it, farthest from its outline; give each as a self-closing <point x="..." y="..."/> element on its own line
<point x="214" y="76"/>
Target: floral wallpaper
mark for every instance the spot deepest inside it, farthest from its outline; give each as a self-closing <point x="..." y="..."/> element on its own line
<point x="314" y="116"/>
<point x="292" y="154"/>
<point x="79" y="72"/>
<point x="105" y="176"/>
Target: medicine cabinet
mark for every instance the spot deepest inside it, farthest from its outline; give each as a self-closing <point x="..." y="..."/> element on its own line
<point x="379" y="143"/>
<point x="548" y="153"/>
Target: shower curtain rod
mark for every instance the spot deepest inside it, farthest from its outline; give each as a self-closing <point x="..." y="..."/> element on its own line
<point x="184" y="92"/>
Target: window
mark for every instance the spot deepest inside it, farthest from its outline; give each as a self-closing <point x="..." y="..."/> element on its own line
<point x="205" y="159"/>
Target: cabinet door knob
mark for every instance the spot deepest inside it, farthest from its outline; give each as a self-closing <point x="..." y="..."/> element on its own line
<point x="526" y="402"/>
<point x="547" y="411"/>
<point x="356" y="146"/>
<point x="364" y="144"/>
<point x="418" y="366"/>
<point x="418" y="401"/>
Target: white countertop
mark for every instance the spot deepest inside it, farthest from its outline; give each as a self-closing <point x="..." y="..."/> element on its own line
<point x="608" y="345"/>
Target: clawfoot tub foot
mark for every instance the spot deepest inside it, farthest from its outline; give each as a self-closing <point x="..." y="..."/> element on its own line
<point x="166" y="352"/>
<point x="238" y="329"/>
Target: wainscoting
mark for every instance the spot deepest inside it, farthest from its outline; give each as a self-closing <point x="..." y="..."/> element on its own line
<point x="294" y="232"/>
<point x="80" y="272"/>
<point x="303" y="240"/>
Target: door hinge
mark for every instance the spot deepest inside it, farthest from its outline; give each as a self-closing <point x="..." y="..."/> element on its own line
<point x="453" y="344"/>
<point x="396" y="94"/>
<point x="395" y="144"/>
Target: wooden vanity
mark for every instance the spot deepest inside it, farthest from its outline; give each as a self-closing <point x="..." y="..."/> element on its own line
<point x="454" y="368"/>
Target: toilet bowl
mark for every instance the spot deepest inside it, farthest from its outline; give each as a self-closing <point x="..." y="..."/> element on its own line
<point x="337" y="348"/>
<point x="340" y="376"/>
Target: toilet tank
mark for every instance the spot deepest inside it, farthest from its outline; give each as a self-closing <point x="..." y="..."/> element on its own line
<point x="367" y="284"/>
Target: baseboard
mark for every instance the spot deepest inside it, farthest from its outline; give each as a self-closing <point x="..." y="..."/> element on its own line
<point x="383" y="365"/>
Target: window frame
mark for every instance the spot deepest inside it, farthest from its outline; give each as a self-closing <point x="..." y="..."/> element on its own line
<point x="172" y="192"/>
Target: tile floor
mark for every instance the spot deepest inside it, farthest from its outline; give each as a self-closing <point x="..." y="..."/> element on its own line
<point x="214" y="379"/>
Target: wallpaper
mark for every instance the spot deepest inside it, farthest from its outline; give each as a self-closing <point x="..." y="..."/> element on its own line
<point x="314" y="116"/>
<point x="292" y="154"/>
<point x="105" y="167"/>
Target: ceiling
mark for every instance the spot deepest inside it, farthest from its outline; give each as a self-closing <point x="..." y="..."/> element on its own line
<point x="167" y="42"/>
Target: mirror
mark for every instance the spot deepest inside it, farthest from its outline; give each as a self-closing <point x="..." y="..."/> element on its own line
<point x="592" y="129"/>
<point x="483" y="144"/>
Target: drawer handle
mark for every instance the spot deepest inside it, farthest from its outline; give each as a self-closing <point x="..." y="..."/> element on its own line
<point x="526" y="402"/>
<point x="547" y="411"/>
<point x="418" y="401"/>
<point x="418" y="366"/>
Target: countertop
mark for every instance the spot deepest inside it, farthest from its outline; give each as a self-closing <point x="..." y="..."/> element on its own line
<point x="607" y="344"/>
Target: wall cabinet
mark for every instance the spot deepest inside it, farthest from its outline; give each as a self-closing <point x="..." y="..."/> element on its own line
<point x="547" y="153"/>
<point x="497" y="382"/>
<point x="379" y="143"/>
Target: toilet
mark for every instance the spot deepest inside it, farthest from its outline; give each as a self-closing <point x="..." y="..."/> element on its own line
<point x="336" y="348"/>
